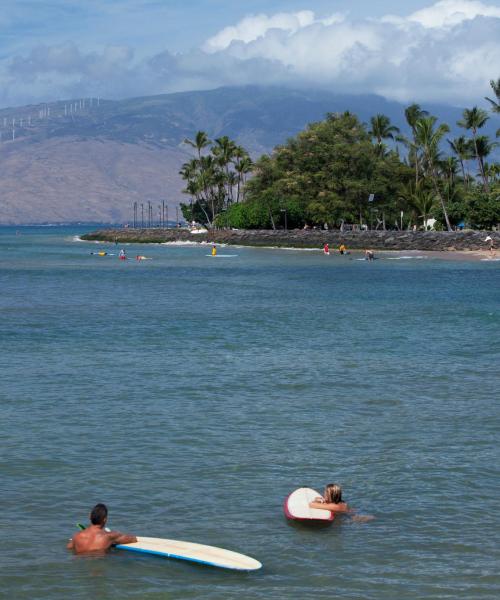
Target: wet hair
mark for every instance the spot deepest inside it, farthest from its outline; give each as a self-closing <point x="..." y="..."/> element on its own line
<point x="98" y="514"/>
<point x="333" y="493"/>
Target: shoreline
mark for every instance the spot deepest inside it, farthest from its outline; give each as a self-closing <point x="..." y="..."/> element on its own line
<point x="466" y="244"/>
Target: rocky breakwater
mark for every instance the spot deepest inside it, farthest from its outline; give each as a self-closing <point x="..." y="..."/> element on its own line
<point x="310" y="238"/>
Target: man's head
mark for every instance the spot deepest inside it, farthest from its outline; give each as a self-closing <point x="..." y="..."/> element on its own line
<point x="99" y="515"/>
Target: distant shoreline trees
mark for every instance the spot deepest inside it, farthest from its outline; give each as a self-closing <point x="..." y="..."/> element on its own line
<point x="327" y="173"/>
<point x="216" y="179"/>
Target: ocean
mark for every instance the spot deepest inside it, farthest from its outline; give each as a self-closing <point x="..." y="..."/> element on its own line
<point x="193" y="394"/>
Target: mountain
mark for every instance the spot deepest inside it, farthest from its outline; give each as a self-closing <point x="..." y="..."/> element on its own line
<point x="90" y="160"/>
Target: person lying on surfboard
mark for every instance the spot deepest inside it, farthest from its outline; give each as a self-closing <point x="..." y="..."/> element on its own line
<point x="332" y="501"/>
<point x="95" y="538"/>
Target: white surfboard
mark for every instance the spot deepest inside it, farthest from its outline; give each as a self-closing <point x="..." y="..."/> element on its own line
<point x="198" y="553"/>
<point x="222" y="255"/>
<point x="297" y="507"/>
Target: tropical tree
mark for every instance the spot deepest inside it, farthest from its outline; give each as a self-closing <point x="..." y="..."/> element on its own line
<point x="429" y="138"/>
<point x="473" y="120"/>
<point x="200" y="142"/>
<point x="495" y="104"/>
<point x="462" y="148"/>
<point x="412" y="114"/>
<point x="243" y="166"/>
<point x="212" y="178"/>
<point x="381" y="129"/>
<point x="484" y="146"/>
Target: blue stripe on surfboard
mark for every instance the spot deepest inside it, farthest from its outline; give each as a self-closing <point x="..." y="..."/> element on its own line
<point x="180" y="557"/>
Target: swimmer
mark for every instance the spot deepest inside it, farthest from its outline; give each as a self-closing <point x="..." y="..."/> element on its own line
<point x="326" y="249"/>
<point x="95" y="538"/>
<point x="332" y="501"/>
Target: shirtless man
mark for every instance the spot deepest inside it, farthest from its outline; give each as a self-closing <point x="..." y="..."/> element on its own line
<point x="95" y="538"/>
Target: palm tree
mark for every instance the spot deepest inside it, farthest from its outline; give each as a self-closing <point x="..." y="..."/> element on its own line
<point x="243" y="165"/>
<point x="461" y="147"/>
<point x="495" y="104"/>
<point x="224" y="150"/>
<point x="412" y="114"/>
<point x="449" y="167"/>
<point x="484" y="147"/>
<point x="473" y="120"/>
<point x="428" y="138"/>
<point x="200" y="141"/>
<point x="381" y="129"/>
<point x="423" y="201"/>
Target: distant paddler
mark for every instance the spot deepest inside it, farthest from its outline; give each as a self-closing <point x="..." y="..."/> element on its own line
<point x="214" y="250"/>
<point x="326" y="249"/>
<point x="342" y="249"/>
<point x="100" y="253"/>
<point x="122" y="255"/>
<point x="140" y="257"/>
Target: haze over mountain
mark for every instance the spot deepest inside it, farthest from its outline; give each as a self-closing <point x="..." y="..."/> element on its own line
<point x="89" y="160"/>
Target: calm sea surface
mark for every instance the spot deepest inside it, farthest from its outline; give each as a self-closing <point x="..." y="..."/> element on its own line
<point x="192" y="395"/>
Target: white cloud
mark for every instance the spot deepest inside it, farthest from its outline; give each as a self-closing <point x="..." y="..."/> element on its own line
<point x="449" y="13"/>
<point x="446" y="52"/>
<point x="253" y="27"/>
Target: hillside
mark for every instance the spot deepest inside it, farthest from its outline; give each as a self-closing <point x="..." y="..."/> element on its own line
<point x="91" y="160"/>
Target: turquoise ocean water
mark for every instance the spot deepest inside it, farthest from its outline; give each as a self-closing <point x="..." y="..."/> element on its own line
<point x="192" y="395"/>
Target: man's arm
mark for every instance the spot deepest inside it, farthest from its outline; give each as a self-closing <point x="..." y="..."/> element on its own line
<point x="116" y="537"/>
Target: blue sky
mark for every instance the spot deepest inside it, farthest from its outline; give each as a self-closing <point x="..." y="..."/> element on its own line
<point x="440" y="50"/>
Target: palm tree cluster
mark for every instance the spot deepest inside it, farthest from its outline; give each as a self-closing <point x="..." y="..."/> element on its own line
<point x="449" y="177"/>
<point x="215" y="179"/>
<point x="328" y="171"/>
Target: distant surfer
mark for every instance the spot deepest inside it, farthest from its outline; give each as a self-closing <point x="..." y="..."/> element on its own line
<point x="214" y="250"/>
<point x="95" y="538"/>
<point x="369" y="255"/>
<point x="332" y="501"/>
<point x="342" y="249"/>
<point x="326" y="249"/>
<point x="122" y="255"/>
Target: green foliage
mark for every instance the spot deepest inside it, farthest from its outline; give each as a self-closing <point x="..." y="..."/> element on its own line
<point x="325" y="175"/>
<point x="214" y="180"/>
<point x="482" y="209"/>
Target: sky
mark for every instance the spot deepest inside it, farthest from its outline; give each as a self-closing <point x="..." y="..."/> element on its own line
<point x="406" y="50"/>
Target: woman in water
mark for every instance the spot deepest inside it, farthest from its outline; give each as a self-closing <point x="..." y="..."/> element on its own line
<point x="332" y="501"/>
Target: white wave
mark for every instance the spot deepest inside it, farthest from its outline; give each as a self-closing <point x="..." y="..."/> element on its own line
<point x="405" y="257"/>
